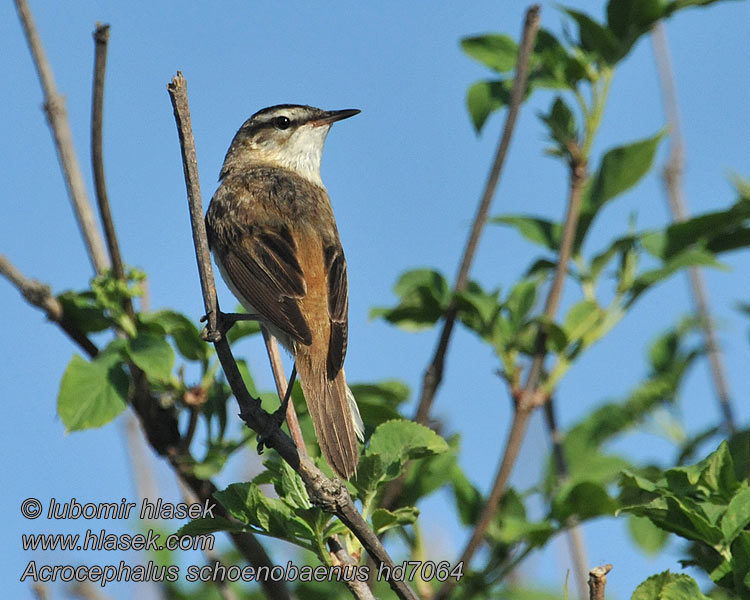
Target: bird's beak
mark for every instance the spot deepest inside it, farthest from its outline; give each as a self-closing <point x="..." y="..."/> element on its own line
<point x="332" y="116"/>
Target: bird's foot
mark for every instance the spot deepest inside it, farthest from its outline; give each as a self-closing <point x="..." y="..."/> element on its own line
<point x="224" y="322"/>
<point x="279" y="415"/>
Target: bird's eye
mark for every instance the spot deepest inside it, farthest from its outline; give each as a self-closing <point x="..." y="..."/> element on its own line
<point x="282" y="122"/>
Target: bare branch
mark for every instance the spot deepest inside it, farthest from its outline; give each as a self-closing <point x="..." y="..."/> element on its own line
<point x="272" y="348"/>
<point x="101" y="38"/>
<point x="672" y="177"/>
<point x="529" y="398"/>
<point x="359" y="589"/>
<point x="57" y="118"/>
<point x="331" y="495"/>
<point x="598" y="581"/>
<point x="434" y="373"/>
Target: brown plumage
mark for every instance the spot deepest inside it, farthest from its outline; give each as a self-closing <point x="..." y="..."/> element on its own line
<point x="273" y="235"/>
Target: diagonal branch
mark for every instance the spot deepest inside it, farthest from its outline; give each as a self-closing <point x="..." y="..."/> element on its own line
<point x="57" y="118"/>
<point x="433" y="376"/>
<point x="331" y="495"/>
<point x="673" y="171"/>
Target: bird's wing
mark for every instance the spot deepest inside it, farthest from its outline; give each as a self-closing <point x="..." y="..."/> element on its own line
<point x="264" y="268"/>
<point x="338" y="308"/>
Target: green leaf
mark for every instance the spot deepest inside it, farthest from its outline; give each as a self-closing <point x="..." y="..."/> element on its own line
<point x="82" y="311"/>
<point x="710" y="230"/>
<point x="561" y="125"/>
<point x="581" y="319"/>
<point x="432" y="473"/>
<point x="290" y="488"/>
<point x="594" y="37"/>
<point x="714" y="475"/>
<point x="91" y="393"/>
<point x="552" y="66"/>
<point x="395" y="442"/>
<point x="424" y="294"/>
<point x="668" y="586"/>
<point x="469" y="500"/>
<point x="521" y="300"/>
<point x="737" y="516"/>
<point x="371" y="471"/>
<point x="271" y="516"/>
<point x="185" y="334"/>
<point x="621" y="169"/>
<point x="498" y="52"/>
<point x="478" y="309"/>
<point x="630" y="19"/>
<point x="153" y="354"/>
<point x="692" y="257"/>
<point x="741" y="563"/>
<point x="585" y="500"/>
<point x="648" y="536"/>
<point x="537" y="230"/>
<point x="484" y="98"/>
<point x="383" y="520"/>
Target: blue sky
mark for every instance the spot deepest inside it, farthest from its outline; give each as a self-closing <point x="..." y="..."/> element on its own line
<point x="404" y="177"/>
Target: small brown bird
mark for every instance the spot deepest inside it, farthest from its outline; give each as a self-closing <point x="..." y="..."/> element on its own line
<point x="273" y="236"/>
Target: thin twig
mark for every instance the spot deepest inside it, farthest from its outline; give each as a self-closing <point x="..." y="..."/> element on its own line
<point x="573" y="534"/>
<point x="54" y="108"/>
<point x="349" y="566"/>
<point x="434" y="373"/>
<point x="529" y="398"/>
<point x="40" y="295"/>
<point x="274" y="356"/>
<point x="672" y="177"/>
<point x="331" y="495"/>
<point x="101" y="38"/>
<point x="598" y="581"/>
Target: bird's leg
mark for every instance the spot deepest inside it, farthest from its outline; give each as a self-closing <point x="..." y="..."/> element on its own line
<point x="278" y="416"/>
<point x="224" y="322"/>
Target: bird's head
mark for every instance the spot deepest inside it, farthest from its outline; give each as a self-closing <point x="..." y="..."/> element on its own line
<point x="287" y="135"/>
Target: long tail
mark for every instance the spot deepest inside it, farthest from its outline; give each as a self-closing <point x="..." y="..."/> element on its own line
<point x="334" y="413"/>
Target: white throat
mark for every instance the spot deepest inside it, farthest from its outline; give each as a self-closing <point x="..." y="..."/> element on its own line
<point x="303" y="151"/>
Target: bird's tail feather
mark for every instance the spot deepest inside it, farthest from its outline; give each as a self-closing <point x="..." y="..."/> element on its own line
<point x="334" y="413"/>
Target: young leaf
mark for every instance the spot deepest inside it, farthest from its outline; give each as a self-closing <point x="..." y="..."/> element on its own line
<point x="184" y="333"/>
<point x="484" y="98"/>
<point x="668" y="586"/>
<point x="594" y="37"/>
<point x="561" y="125"/>
<point x="537" y="230"/>
<point x="82" y="310"/>
<point x="383" y="520"/>
<point x="650" y="538"/>
<point x="424" y="295"/>
<point x="621" y="169"/>
<point x="498" y="52"/>
<point x="395" y="442"/>
<point x="153" y="354"/>
<point x="92" y="393"/>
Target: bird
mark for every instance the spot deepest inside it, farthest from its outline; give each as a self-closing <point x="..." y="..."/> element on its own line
<point x="273" y="236"/>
